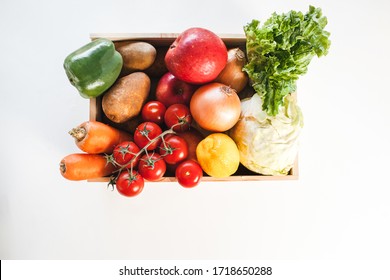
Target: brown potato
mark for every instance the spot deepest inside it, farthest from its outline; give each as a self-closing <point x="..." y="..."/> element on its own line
<point x="158" y="68"/>
<point x="124" y="100"/>
<point x="137" y="56"/>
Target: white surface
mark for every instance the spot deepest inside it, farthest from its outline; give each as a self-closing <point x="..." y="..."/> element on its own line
<point x="338" y="209"/>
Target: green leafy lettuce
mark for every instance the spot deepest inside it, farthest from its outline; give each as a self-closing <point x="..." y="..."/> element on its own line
<point x="281" y="50"/>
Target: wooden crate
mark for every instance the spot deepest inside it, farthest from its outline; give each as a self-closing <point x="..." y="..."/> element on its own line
<point x="165" y="39"/>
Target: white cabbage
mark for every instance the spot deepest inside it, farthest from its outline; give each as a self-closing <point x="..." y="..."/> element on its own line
<point x="268" y="145"/>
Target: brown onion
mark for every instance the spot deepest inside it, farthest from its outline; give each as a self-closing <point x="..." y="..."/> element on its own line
<point x="215" y="107"/>
<point x="232" y="75"/>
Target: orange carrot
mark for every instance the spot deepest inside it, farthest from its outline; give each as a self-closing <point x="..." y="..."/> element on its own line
<point x="95" y="137"/>
<point x="77" y="167"/>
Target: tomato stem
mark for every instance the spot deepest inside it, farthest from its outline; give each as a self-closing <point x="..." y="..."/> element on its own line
<point x="110" y="158"/>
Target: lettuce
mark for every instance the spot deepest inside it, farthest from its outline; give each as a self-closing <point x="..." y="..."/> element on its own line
<point x="281" y="50"/>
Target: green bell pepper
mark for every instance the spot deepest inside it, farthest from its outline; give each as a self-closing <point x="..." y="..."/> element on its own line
<point x="93" y="68"/>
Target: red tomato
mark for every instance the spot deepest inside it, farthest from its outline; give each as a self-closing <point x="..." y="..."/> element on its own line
<point x="129" y="184"/>
<point x="153" y="111"/>
<point x="192" y="137"/>
<point x="125" y="152"/>
<point x="145" y="133"/>
<point x="173" y="149"/>
<point x="178" y="115"/>
<point x="152" y="167"/>
<point x="189" y="173"/>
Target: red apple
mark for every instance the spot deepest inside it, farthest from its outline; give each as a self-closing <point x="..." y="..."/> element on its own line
<point x="170" y="90"/>
<point x="197" y="56"/>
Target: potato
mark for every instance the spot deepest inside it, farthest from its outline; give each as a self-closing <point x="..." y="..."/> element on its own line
<point x="128" y="126"/>
<point x="158" y="68"/>
<point x="124" y="100"/>
<point x="137" y="56"/>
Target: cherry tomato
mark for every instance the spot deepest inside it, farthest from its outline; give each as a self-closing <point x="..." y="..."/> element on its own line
<point x="152" y="167"/>
<point x="189" y="173"/>
<point x="179" y="116"/>
<point x="154" y="111"/>
<point x="145" y="133"/>
<point x="125" y="152"/>
<point x="192" y="137"/>
<point x="129" y="183"/>
<point x="173" y="149"/>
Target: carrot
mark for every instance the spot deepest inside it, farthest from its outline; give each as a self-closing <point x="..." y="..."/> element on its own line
<point x="77" y="167"/>
<point x="95" y="137"/>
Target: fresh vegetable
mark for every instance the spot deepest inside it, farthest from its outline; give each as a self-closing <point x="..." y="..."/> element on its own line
<point x="154" y="111"/>
<point x="124" y="100"/>
<point x="129" y="183"/>
<point x="152" y="167"/>
<point x="158" y="68"/>
<point x="95" y="137"/>
<point x="189" y="173"/>
<point x="147" y="135"/>
<point x="215" y="107"/>
<point x="267" y="134"/>
<point x="137" y="56"/>
<point x="268" y="144"/>
<point x="125" y="154"/>
<point x="94" y="67"/>
<point x="173" y="149"/>
<point x="233" y="75"/>
<point x="197" y="56"/>
<point x="195" y="84"/>
<point x="179" y="117"/>
<point x="280" y="51"/>
<point x="77" y="167"/>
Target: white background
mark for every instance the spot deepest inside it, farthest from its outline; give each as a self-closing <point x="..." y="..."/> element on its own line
<point x="338" y="209"/>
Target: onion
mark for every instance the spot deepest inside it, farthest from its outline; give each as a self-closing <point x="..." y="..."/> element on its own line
<point x="215" y="107"/>
<point x="232" y="75"/>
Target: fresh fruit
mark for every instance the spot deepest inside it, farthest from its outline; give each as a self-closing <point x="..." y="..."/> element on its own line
<point x="147" y="135"/>
<point x="152" y="167"/>
<point x="124" y="154"/>
<point x="178" y="117"/>
<point x="189" y="173"/>
<point x="218" y="155"/>
<point x="129" y="183"/>
<point x="197" y="56"/>
<point x="215" y="107"/>
<point x="153" y="111"/>
<point x="173" y="149"/>
<point x="192" y="137"/>
<point x="170" y="90"/>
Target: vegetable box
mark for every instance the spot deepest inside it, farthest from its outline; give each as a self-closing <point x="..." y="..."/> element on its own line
<point x="161" y="40"/>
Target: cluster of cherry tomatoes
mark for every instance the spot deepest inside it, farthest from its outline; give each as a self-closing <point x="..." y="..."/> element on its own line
<point x="156" y="148"/>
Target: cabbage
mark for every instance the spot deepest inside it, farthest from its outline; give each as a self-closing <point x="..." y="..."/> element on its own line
<point x="268" y="144"/>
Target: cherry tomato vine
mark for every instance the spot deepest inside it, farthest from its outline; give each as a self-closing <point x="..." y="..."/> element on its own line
<point x="150" y="151"/>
